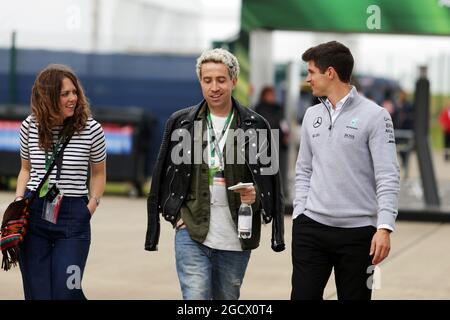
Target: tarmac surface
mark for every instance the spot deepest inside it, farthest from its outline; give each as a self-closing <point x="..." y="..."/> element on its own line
<point x="418" y="266"/>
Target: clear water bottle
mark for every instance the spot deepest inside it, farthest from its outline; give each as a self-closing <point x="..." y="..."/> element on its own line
<point x="245" y="221"/>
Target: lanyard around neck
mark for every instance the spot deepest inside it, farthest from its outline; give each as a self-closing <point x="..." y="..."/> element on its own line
<point x="214" y="142"/>
<point x="48" y="160"/>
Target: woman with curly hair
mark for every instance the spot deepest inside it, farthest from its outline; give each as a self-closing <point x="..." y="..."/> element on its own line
<point x="54" y="253"/>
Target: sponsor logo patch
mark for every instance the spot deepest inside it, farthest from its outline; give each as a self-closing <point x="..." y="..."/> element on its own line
<point x="349" y="136"/>
<point x="317" y="122"/>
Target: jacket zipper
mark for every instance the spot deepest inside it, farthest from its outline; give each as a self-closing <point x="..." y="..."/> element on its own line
<point x="251" y="172"/>
<point x="171" y="180"/>
<point x="342" y="109"/>
<point x="170" y="192"/>
<point x="330" y="128"/>
<point x="246" y="162"/>
<point x="329" y="114"/>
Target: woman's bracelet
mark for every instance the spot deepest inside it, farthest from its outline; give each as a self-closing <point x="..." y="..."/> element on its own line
<point x="97" y="200"/>
<point x="18" y="198"/>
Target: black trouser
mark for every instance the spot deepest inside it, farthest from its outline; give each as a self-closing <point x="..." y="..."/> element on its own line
<point x="317" y="248"/>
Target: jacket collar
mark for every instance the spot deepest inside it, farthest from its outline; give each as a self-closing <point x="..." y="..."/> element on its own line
<point x="353" y="99"/>
<point x="244" y="114"/>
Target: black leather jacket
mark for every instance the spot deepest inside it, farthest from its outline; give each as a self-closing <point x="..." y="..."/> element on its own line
<point x="170" y="182"/>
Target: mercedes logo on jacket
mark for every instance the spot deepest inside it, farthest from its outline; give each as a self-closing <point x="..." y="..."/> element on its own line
<point x="317" y="122"/>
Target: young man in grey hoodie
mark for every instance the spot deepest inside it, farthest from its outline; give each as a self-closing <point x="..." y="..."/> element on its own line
<point x="346" y="185"/>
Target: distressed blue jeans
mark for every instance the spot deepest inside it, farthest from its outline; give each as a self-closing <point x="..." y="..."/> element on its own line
<point x="53" y="256"/>
<point x="206" y="273"/>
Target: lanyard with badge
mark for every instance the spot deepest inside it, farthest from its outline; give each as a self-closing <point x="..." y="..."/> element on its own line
<point x="214" y="142"/>
<point x="216" y="171"/>
<point x="52" y="196"/>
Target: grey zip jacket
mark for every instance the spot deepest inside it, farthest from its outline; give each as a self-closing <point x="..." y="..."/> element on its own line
<point x="347" y="174"/>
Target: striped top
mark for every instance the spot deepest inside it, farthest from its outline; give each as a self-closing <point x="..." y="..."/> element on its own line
<point x="87" y="146"/>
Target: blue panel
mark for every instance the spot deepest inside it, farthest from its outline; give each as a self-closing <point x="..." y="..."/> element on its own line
<point x="158" y="83"/>
<point x="4" y="61"/>
<point x="3" y="87"/>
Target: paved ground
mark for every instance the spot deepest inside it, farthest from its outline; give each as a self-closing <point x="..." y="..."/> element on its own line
<point x="119" y="268"/>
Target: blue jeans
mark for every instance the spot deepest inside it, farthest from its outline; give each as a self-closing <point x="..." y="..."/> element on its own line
<point x="206" y="273"/>
<point x="53" y="256"/>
